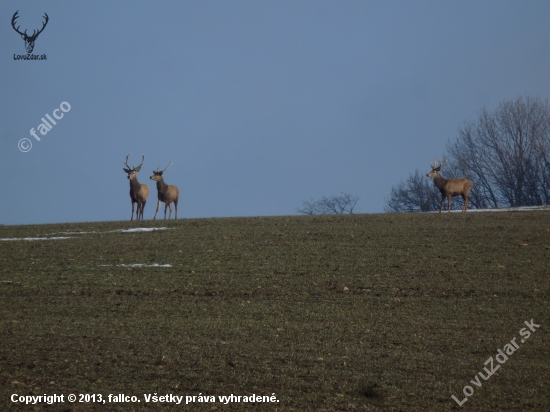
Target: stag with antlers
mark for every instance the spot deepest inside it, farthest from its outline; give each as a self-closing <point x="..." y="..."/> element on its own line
<point x="450" y="187"/>
<point x="166" y="193"/>
<point x="29" y="40"/>
<point x="138" y="192"/>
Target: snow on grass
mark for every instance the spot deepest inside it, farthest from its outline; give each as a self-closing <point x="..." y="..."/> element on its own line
<point x="141" y="265"/>
<point x="138" y="229"/>
<point x="504" y="209"/>
<point x="512" y="209"/>
<point x="35" y="238"/>
<point x="68" y="233"/>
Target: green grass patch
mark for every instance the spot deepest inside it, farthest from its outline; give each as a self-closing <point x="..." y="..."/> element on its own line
<point x="332" y="313"/>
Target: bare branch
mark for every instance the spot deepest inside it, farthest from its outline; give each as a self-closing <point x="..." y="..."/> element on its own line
<point x="333" y="205"/>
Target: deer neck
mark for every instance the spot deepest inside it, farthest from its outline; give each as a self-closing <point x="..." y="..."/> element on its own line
<point x="135" y="185"/>
<point x="440" y="181"/>
<point x="161" y="186"/>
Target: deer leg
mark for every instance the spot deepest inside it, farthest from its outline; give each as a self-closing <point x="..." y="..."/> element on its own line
<point x="132" y="218"/>
<point x="442" y="202"/>
<point x="465" y="203"/>
<point x="449" y="197"/>
<point x="158" y="205"/>
<point x="165" y="207"/>
<point x="170" y="206"/>
<point x="141" y="206"/>
<point x="143" y="209"/>
<point x="176" y="205"/>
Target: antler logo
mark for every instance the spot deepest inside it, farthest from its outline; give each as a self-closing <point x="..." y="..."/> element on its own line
<point x="29" y="40"/>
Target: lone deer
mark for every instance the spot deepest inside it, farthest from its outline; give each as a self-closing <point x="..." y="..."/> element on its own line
<point x="166" y="193"/>
<point x="138" y="192"/>
<point x="450" y="187"/>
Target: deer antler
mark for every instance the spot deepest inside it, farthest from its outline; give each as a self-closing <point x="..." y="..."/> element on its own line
<point x="133" y="167"/>
<point x="15" y="16"/>
<point x="43" y="26"/>
<point x="160" y="172"/>
<point x="34" y="33"/>
<point x="142" y="160"/>
<point x="126" y="162"/>
<point x="435" y="166"/>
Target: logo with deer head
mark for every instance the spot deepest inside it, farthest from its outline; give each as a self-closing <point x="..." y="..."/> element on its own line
<point x="29" y="40"/>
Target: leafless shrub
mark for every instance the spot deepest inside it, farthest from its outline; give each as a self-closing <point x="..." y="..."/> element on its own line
<point x="333" y="205"/>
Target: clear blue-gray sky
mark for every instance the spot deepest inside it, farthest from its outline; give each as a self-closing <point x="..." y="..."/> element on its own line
<point x="260" y="105"/>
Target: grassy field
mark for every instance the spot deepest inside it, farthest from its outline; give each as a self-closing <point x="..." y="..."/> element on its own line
<point x="336" y="313"/>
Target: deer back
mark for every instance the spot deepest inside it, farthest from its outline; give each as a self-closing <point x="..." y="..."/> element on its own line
<point x="453" y="187"/>
<point x="167" y="193"/>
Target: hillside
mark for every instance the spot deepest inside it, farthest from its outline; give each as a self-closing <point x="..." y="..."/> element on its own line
<point x="333" y="313"/>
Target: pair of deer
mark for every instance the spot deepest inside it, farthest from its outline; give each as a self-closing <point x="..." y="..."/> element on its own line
<point x="450" y="187"/>
<point x="140" y="192"/>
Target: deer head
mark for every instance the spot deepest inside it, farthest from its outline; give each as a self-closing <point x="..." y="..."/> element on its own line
<point x="29" y="40"/>
<point x="132" y="172"/>
<point x="157" y="174"/>
<point x="435" y="169"/>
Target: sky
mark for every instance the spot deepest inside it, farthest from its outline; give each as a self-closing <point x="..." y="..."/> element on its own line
<point x="260" y="105"/>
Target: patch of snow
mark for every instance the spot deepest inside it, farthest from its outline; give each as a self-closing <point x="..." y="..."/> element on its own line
<point x="70" y="233"/>
<point x="504" y="209"/>
<point x="516" y="209"/>
<point x="35" y="238"/>
<point x="139" y="229"/>
<point x="140" y="265"/>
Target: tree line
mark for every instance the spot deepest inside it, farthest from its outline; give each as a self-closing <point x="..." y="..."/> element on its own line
<point x="505" y="153"/>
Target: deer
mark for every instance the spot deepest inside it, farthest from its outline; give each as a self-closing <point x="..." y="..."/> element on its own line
<point x="166" y="193"/>
<point x="138" y="192"/>
<point x="450" y="187"/>
<point x="29" y="40"/>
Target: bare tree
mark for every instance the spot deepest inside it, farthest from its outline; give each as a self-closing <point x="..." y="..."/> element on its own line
<point x="506" y="154"/>
<point x="416" y="194"/>
<point x="333" y="205"/>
